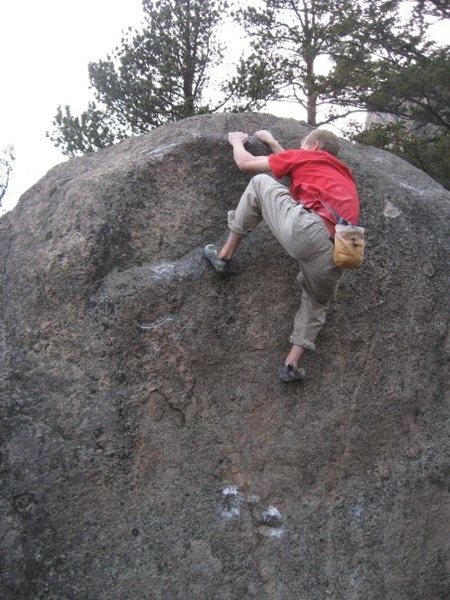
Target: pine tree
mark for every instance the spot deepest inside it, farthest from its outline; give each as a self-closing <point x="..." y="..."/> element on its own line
<point x="333" y="56"/>
<point x="289" y="40"/>
<point x="156" y="75"/>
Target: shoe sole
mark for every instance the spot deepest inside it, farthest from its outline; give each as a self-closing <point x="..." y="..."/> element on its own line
<point x="286" y="378"/>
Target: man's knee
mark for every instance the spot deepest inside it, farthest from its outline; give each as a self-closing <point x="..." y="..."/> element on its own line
<point x="266" y="188"/>
<point x="261" y="181"/>
<point x="262" y="177"/>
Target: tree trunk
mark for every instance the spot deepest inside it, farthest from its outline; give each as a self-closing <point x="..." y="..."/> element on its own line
<point x="311" y="94"/>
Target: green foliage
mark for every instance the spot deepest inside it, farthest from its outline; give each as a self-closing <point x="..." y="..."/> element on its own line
<point x="419" y="91"/>
<point x="7" y="158"/>
<point x="92" y="130"/>
<point x="378" y="56"/>
<point x="255" y="83"/>
<point x="397" y="71"/>
<point x="287" y="39"/>
<point x="425" y="146"/>
<point x="156" y="75"/>
<point x="377" y="53"/>
<point x="415" y="95"/>
<point x="380" y="59"/>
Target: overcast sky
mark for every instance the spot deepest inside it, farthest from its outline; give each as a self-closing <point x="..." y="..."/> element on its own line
<point x="45" y="48"/>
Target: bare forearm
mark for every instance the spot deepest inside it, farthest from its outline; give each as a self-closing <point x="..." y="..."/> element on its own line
<point x="241" y="155"/>
<point x="244" y="160"/>
<point x="267" y="138"/>
<point x="276" y="147"/>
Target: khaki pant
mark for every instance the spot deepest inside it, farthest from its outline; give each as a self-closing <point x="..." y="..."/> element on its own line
<point x="304" y="236"/>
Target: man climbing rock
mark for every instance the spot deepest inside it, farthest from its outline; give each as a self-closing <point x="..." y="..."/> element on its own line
<point x="301" y="218"/>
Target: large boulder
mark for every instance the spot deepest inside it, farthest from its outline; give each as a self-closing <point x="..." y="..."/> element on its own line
<point x="149" y="450"/>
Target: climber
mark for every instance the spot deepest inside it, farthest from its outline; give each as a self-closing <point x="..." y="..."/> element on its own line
<point x="301" y="218"/>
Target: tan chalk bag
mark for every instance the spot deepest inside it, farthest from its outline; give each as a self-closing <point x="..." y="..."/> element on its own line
<point x="348" y="246"/>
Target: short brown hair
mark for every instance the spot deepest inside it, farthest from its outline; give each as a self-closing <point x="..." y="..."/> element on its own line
<point x="326" y="140"/>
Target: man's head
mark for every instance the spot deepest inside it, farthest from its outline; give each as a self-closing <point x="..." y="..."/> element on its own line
<point x="321" y="139"/>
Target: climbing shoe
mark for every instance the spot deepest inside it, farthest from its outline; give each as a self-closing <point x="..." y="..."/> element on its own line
<point x="210" y="252"/>
<point x="290" y="373"/>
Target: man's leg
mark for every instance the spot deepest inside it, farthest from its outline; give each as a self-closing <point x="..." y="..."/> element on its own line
<point x="318" y="280"/>
<point x="264" y="198"/>
<point x="318" y="287"/>
<point x="290" y="370"/>
<point x="294" y="356"/>
<point x="229" y="248"/>
<point x="303" y="236"/>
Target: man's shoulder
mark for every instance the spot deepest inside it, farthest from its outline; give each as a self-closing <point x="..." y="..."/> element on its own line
<point x="290" y="154"/>
<point x="304" y="154"/>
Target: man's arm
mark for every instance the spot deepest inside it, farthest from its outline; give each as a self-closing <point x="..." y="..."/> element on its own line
<point x="267" y="138"/>
<point x="245" y="161"/>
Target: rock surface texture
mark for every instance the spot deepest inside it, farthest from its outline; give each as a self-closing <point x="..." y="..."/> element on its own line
<point x="148" y="450"/>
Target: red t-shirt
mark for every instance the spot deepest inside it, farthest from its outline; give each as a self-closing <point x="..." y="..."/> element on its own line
<point x="318" y="174"/>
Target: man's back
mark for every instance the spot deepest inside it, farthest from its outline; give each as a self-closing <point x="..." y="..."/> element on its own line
<point x="318" y="175"/>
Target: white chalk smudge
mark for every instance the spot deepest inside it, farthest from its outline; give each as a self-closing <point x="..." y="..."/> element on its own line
<point x="271" y="526"/>
<point x="357" y="511"/>
<point x="272" y="532"/>
<point x="163" y="269"/>
<point x="252" y="499"/>
<point x="272" y="511"/>
<point x="232" y="499"/>
<point x="390" y="211"/>
<point x="231" y="490"/>
<point x="232" y="511"/>
<point x="269" y="523"/>
<point x="157" y="323"/>
<point x="412" y="188"/>
<point x="162" y="150"/>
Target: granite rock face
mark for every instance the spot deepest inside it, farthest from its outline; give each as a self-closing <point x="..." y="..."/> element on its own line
<point x="148" y="450"/>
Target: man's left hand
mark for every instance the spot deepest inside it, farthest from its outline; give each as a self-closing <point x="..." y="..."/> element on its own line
<point x="237" y="137"/>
